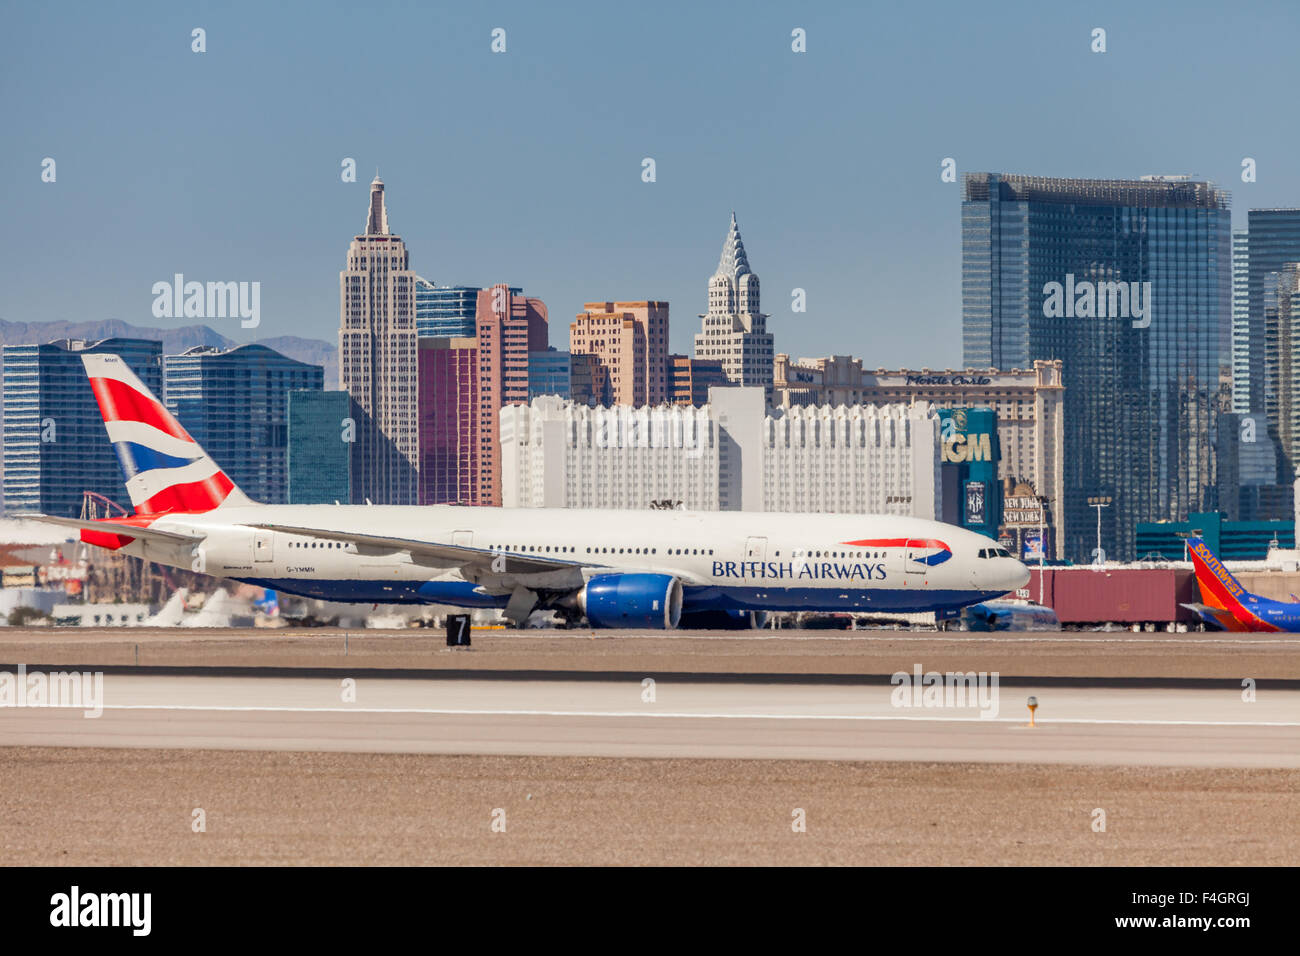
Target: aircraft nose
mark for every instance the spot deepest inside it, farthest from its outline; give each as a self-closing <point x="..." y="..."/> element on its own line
<point x="1018" y="576"/>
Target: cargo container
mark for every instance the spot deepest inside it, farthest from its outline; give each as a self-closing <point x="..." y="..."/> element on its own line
<point x="1101" y="595"/>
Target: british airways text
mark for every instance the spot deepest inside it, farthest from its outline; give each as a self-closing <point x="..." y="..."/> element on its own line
<point x="816" y="570"/>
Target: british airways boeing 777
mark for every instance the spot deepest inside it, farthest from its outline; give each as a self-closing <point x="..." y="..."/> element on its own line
<point x="648" y="569"/>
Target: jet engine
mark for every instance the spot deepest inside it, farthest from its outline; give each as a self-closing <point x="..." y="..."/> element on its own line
<point x="632" y="600"/>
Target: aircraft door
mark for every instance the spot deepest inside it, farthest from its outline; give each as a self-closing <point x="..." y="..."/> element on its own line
<point x="263" y="546"/>
<point x="462" y="539"/>
<point x="756" y="549"/>
<point x="914" y="561"/>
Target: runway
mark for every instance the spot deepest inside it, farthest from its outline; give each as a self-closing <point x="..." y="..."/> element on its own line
<point x="1210" y="726"/>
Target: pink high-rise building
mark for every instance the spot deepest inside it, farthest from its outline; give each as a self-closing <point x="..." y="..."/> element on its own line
<point x="509" y="327"/>
<point x="629" y="341"/>
<point x="449" y="421"/>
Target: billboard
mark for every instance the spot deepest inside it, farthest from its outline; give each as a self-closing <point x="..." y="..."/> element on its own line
<point x="1031" y="548"/>
<point x="968" y="456"/>
<point x="975" y="498"/>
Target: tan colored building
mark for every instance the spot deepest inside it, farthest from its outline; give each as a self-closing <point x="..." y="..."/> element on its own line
<point x="630" y="343"/>
<point x="1029" y="404"/>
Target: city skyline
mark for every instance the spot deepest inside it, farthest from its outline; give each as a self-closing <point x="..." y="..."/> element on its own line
<point x="866" y="256"/>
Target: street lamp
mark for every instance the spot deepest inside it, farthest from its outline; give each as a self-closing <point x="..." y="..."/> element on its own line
<point x="1184" y="535"/>
<point x="1099" y="502"/>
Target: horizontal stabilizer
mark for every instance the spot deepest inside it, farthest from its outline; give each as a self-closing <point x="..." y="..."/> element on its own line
<point x="122" y="528"/>
<point x="1216" y="617"/>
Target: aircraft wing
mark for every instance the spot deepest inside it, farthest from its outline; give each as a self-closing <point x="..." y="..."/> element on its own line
<point x="498" y="561"/>
<point x="123" y="528"/>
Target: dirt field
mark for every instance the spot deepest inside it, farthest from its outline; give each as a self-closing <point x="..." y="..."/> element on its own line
<point x="129" y="807"/>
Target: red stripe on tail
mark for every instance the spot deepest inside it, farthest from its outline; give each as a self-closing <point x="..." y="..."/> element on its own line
<point x="194" y="496"/>
<point x="119" y="402"/>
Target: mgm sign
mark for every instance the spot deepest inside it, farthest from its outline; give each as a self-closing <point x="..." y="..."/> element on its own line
<point x="968" y="455"/>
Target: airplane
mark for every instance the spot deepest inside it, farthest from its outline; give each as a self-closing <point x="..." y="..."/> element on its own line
<point x="1010" y="616"/>
<point x="615" y="569"/>
<point x="1228" y="606"/>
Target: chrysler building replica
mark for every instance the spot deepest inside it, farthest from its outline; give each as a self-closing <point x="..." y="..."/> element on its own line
<point x="735" y="331"/>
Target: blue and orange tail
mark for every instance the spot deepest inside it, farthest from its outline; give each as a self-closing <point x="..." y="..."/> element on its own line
<point x="1224" y="593"/>
<point x="165" y="469"/>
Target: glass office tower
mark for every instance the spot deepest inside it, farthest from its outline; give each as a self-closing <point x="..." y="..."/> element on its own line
<point x="321" y="442"/>
<point x="447" y="311"/>
<point x="1129" y="283"/>
<point x="1240" y="321"/>
<point x="235" y="404"/>
<point x="1274" y="241"/>
<point x="55" y="443"/>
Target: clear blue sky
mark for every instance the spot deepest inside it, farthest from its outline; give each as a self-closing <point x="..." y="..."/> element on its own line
<point x="525" y="167"/>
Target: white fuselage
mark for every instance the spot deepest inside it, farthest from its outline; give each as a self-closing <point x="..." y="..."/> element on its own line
<point x="739" y="560"/>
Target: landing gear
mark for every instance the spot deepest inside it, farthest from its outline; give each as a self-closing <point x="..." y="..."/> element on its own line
<point x="521" y="604"/>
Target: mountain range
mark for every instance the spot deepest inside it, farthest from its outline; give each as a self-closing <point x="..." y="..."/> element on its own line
<point x="174" y="340"/>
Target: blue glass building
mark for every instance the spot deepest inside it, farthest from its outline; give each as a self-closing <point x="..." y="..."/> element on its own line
<point x="55" y="444"/>
<point x="321" y="443"/>
<point x="548" y="373"/>
<point x="1129" y="283"/>
<point x="1230" y="540"/>
<point x="447" y="311"/>
<point x="1241" y="321"/>
<point x="235" y="404"/>
<point x="1273" y="241"/>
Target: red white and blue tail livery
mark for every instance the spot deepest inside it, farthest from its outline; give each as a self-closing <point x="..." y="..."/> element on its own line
<point x="1229" y="606"/>
<point x="643" y="569"/>
<point x="165" y="469"/>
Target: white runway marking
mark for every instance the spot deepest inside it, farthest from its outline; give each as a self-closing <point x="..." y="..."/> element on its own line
<point x="462" y="712"/>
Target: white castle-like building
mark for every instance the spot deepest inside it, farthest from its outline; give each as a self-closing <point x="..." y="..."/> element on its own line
<point x="735" y="329"/>
<point x="731" y="455"/>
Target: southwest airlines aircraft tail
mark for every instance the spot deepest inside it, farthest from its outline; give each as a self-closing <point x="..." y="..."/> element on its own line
<point x="1228" y="605"/>
<point x="646" y="569"/>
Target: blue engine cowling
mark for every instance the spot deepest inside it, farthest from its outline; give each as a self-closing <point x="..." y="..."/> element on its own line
<point x="632" y="600"/>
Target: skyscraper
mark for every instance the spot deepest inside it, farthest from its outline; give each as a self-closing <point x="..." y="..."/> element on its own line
<point x="1129" y="283"/>
<point x="1274" y="241"/>
<point x="1282" y="363"/>
<point x="510" y="326"/>
<point x="630" y="343"/>
<point x="550" y="373"/>
<point x="449" y="421"/>
<point x="235" y="403"/>
<point x="446" y="311"/>
<point x="55" y="446"/>
<point x="1240" y="320"/>
<point x="321" y="440"/>
<point x="735" y="330"/>
<point x="691" y="379"/>
<point x="377" y="358"/>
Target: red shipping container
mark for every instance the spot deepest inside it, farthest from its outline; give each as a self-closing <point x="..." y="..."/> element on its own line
<point x="1088" y="595"/>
